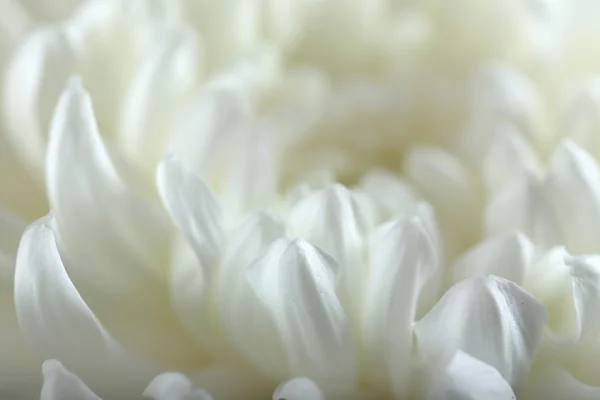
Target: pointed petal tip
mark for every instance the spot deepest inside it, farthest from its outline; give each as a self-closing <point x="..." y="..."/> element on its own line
<point x="51" y="366"/>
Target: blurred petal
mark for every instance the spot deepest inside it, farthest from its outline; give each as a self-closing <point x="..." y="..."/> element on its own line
<point x="34" y="79"/>
<point x="57" y="322"/>
<point x="19" y="369"/>
<point x="174" y="386"/>
<point x="11" y="229"/>
<point x="509" y="157"/>
<point x="47" y="10"/>
<point x="489" y="318"/>
<point x="298" y="389"/>
<point x="582" y="116"/>
<point x="402" y="262"/>
<point x="60" y="384"/>
<point x="448" y="186"/>
<point x="206" y="130"/>
<point x="394" y="197"/>
<point x="553" y="382"/>
<point x="114" y="241"/>
<point x="251" y="184"/>
<point x="111" y="38"/>
<point x="525" y="205"/>
<point x="189" y="286"/>
<point x="574" y="180"/>
<point x="507" y="256"/>
<point x="14" y="22"/>
<point x="156" y="93"/>
<point x="467" y="378"/>
<point x="194" y="210"/>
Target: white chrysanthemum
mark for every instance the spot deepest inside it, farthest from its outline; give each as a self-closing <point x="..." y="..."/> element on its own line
<point x="257" y="268"/>
<point x="259" y="299"/>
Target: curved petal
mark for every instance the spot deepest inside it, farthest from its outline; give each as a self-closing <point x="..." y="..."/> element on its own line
<point x="298" y="389"/>
<point x="60" y="384"/>
<point x="402" y="262"/>
<point x="525" y="205"/>
<point x="585" y="275"/>
<point x="300" y="327"/>
<point x="489" y="318"/>
<point x="190" y="285"/>
<point x="11" y="229"/>
<point x="252" y="180"/>
<point x="248" y="242"/>
<point x="467" y="378"/>
<point x="110" y="39"/>
<point x="57" y="322"/>
<point x="174" y="386"/>
<point x="156" y="94"/>
<point x="507" y="256"/>
<point x="509" y="157"/>
<point x="335" y="220"/>
<point x="575" y="302"/>
<point x="34" y="79"/>
<point x="19" y="369"/>
<point x="114" y="242"/>
<point x="394" y="197"/>
<point x="207" y="129"/>
<point x="450" y="189"/>
<point x="582" y="116"/>
<point x="194" y="210"/>
<point x="574" y="180"/>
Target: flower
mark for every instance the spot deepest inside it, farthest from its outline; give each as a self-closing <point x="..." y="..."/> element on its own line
<point x="220" y="204"/>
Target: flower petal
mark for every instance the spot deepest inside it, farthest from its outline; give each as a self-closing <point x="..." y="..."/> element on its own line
<point x="156" y="93"/>
<point x="574" y="181"/>
<point x="57" y="322"/>
<point x="292" y="294"/>
<point x="467" y="378"/>
<point x="193" y="209"/>
<point x="582" y="116"/>
<point x="19" y="369"/>
<point x="525" y="205"/>
<point x="489" y="318"/>
<point x="575" y="303"/>
<point x="207" y="129"/>
<point x="50" y="10"/>
<point x="298" y="389"/>
<point x="449" y="187"/>
<point x="114" y="241"/>
<point x="174" y="386"/>
<point x="585" y="275"/>
<point x="507" y="256"/>
<point x="335" y="220"/>
<point x="60" y="384"/>
<point x="11" y="229"/>
<point x="402" y="262"/>
<point x="248" y="242"/>
<point x="111" y="38"/>
<point x="509" y="157"/>
<point x="394" y="197"/>
<point x="252" y="179"/>
<point x="34" y="80"/>
<point x="189" y="284"/>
